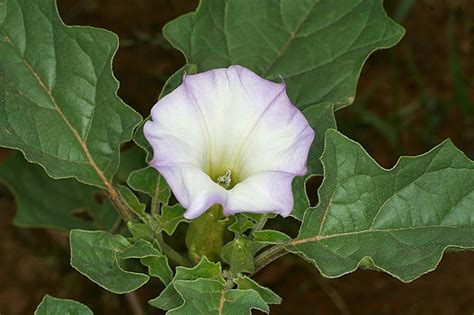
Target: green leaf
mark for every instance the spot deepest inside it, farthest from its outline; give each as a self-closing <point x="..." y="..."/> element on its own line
<point x="139" y="249"/>
<point x="239" y="255"/>
<point x="245" y="283"/>
<point x="58" y="101"/>
<point x="96" y="255"/>
<point x="150" y="182"/>
<point x="170" y="298"/>
<point x="321" y="118"/>
<point x="47" y="203"/>
<point x="170" y="218"/>
<point x="317" y="47"/>
<point x="141" y="231"/>
<point x="54" y="306"/>
<point x="241" y="224"/>
<point x="270" y="237"/>
<point x="151" y="257"/>
<point x="399" y="220"/>
<point x="158" y="267"/>
<point x="133" y="202"/>
<point x="206" y="296"/>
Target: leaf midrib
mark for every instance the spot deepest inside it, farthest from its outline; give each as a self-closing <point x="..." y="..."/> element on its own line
<point x="320" y="237"/>
<point x="290" y="38"/>
<point x="75" y="133"/>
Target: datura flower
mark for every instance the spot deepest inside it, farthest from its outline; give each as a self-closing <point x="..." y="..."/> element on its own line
<point x="229" y="137"/>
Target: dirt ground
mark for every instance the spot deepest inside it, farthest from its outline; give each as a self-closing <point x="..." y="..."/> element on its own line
<point x="411" y="93"/>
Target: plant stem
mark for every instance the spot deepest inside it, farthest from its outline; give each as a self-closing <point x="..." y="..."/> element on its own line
<point x="261" y="223"/>
<point x="207" y="235"/>
<point x="121" y="207"/>
<point x="268" y="256"/>
<point x="171" y="253"/>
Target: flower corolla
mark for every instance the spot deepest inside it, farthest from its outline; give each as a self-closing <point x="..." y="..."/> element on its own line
<point x="229" y="137"/>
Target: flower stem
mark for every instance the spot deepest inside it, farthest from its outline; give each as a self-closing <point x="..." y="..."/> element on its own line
<point x="171" y="253"/>
<point x="207" y="235"/>
<point x="268" y="256"/>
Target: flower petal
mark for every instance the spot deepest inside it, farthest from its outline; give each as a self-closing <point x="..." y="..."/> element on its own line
<point x="193" y="188"/>
<point x="175" y="132"/>
<point x="281" y="140"/>
<point x="262" y="192"/>
<point x="232" y="101"/>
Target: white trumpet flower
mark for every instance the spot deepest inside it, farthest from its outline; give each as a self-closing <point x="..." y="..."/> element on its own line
<point x="229" y="137"/>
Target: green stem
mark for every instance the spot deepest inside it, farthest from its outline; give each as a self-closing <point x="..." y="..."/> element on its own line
<point x="207" y="235"/>
<point x="268" y="256"/>
<point x="261" y="223"/>
<point x="171" y="253"/>
<point x="155" y="201"/>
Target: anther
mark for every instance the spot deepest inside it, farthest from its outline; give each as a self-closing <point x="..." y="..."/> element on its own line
<point x="225" y="180"/>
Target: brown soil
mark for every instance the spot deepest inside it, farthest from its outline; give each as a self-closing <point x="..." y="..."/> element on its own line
<point x="35" y="262"/>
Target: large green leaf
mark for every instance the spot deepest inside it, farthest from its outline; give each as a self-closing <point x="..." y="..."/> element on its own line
<point x="48" y="203"/>
<point x="54" y="306"/>
<point x="100" y="256"/>
<point x="58" y="101"/>
<point x="317" y="46"/>
<point x="398" y="220"/>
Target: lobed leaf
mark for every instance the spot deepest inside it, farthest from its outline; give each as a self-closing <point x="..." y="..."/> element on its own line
<point x="306" y="43"/>
<point x="399" y="220"/>
<point x="170" y="218"/>
<point x="159" y="267"/>
<point x="58" y="101"/>
<point x="240" y="224"/>
<point x="99" y="256"/>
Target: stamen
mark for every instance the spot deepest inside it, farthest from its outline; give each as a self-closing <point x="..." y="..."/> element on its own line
<point x="225" y="180"/>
